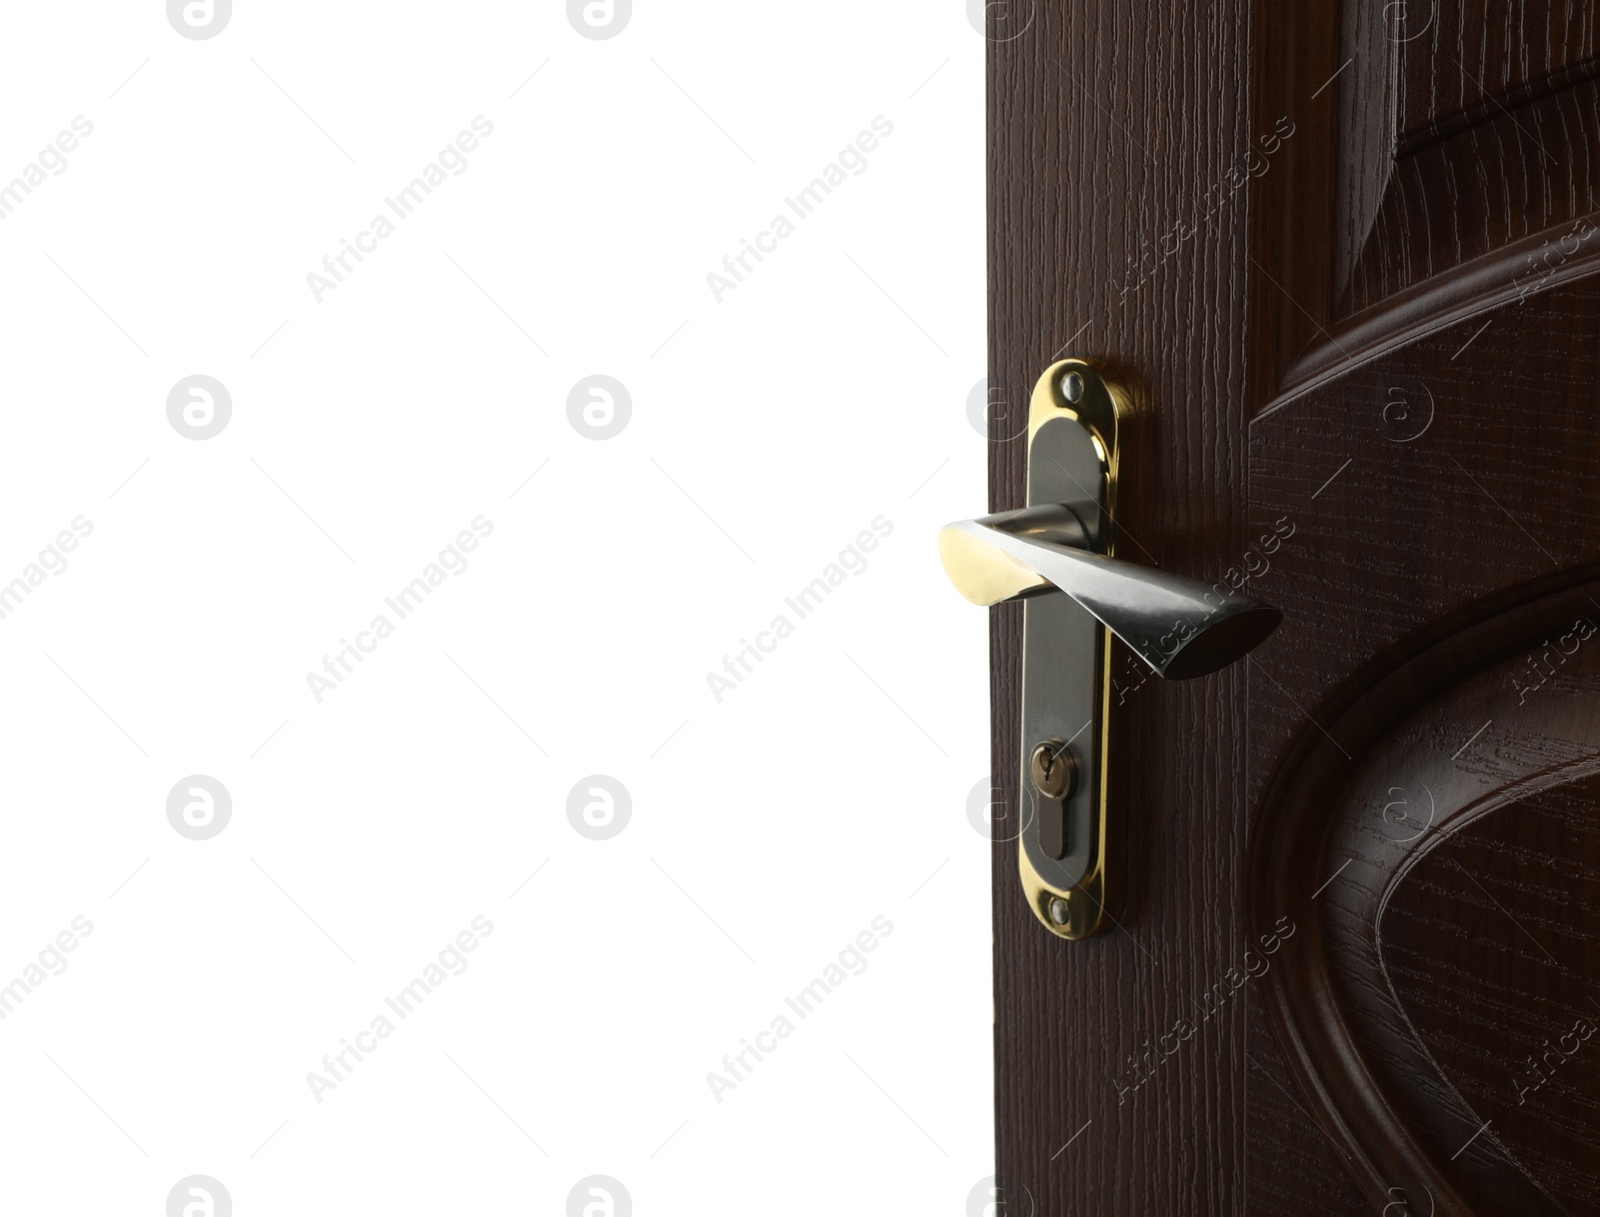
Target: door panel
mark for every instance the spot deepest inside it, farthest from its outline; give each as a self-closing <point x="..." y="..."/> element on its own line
<point x="1428" y="448"/>
<point x="1462" y="132"/>
<point x="1445" y="872"/>
<point x="1510" y="1027"/>
<point x="1443" y="154"/>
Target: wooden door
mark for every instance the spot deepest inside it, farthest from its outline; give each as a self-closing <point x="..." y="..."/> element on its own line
<point x="1344" y="257"/>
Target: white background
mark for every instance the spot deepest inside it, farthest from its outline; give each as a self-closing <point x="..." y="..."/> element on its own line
<point x="368" y="429"/>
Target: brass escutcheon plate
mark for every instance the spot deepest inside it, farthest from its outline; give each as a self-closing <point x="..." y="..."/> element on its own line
<point x="1067" y="656"/>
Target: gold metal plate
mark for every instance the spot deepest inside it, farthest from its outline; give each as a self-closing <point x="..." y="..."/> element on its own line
<point x="1067" y="656"/>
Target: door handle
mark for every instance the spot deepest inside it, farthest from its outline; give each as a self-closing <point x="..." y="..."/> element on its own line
<point x="1071" y="839"/>
<point x="1179" y="626"/>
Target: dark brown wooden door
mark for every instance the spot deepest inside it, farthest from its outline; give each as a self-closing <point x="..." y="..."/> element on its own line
<point x="1345" y="257"/>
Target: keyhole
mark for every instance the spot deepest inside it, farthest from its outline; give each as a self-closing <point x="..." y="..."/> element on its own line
<point x="1054" y="773"/>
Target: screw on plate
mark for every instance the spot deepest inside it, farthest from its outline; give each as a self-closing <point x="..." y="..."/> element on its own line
<point x="1072" y="386"/>
<point x="1053" y="769"/>
<point x="1058" y="910"/>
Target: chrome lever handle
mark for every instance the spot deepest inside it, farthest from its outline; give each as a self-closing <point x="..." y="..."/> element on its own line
<point x="1177" y="625"/>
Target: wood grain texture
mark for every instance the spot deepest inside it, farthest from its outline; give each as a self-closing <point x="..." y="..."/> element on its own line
<point x="1496" y="1000"/>
<point x="1512" y="173"/>
<point x="1429" y="437"/>
<point x="1449" y="157"/>
<point x="1109" y="130"/>
<point x="1391" y="1009"/>
<point x="1461" y="63"/>
<point x="1463" y="130"/>
<point x="1466" y="500"/>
